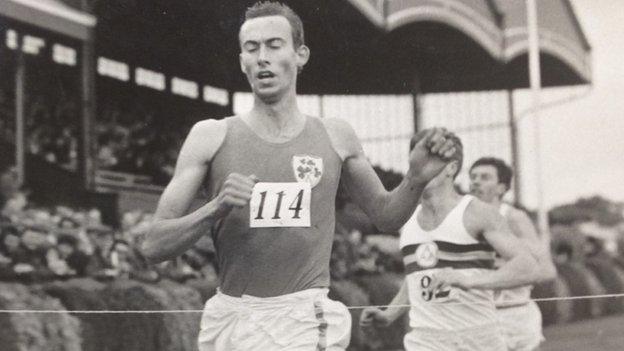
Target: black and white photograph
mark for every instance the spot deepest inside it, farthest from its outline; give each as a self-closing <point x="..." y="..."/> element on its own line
<point x="311" y="175"/>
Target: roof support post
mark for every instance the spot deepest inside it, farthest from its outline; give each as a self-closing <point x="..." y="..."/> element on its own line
<point x="536" y="83"/>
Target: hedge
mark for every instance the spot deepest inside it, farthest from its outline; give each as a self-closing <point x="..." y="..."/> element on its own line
<point x="85" y="294"/>
<point x="611" y="277"/>
<point x="558" y="311"/>
<point x="582" y="282"/>
<point x="35" y="331"/>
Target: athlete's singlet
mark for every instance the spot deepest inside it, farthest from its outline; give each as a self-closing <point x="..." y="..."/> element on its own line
<point x="281" y="242"/>
<point x="449" y="245"/>
<point x="516" y="296"/>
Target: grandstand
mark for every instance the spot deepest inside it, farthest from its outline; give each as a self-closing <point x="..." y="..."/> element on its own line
<point x="97" y="96"/>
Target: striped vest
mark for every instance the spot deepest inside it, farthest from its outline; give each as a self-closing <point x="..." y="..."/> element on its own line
<point x="447" y="246"/>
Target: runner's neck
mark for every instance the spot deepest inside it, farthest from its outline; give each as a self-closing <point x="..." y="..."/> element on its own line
<point x="439" y="202"/>
<point x="281" y="121"/>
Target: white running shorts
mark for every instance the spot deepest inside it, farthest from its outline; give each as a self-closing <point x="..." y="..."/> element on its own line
<point x="521" y="326"/>
<point x="303" y="321"/>
<point x="481" y="338"/>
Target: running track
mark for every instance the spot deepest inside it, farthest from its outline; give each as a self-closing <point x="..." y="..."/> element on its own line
<point x="598" y="334"/>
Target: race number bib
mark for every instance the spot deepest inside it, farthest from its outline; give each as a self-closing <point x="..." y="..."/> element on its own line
<point x="428" y="293"/>
<point x="280" y="205"/>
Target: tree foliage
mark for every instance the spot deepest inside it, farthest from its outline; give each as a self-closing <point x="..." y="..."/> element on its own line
<point x="595" y="208"/>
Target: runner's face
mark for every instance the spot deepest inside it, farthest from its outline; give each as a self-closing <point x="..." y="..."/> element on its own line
<point x="444" y="178"/>
<point x="268" y="57"/>
<point x="484" y="183"/>
<point x="11" y="242"/>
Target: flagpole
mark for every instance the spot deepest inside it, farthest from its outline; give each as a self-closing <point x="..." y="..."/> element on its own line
<point x="536" y="82"/>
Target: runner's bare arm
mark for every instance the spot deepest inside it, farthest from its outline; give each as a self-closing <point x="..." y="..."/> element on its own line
<point x="388" y="210"/>
<point x="520" y="267"/>
<point x="374" y="316"/>
<point x="400" y="299"/>
<point x="173" y="231"/>
<point x="523" y="228"/>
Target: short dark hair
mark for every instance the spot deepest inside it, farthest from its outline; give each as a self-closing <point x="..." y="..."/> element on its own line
<point x="503" y="170"/>
<point x="275" y="8"/>
<point x="67" y="239"/>
<point x="459" y="148"/>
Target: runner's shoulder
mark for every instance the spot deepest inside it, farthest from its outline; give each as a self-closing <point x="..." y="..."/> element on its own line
<point x="209" y="127"/>
<point x="518" y="217"/>
<point x="480" y="215"/>
<point x="207" y="135"/>
<point x="343" y="137"/>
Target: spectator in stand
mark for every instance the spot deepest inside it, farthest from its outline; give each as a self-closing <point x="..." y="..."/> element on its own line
<point x="100" y="265"/>
<point x="120" y="257"/>
<point x="67" y="223"/>
<point x="106" y="152"/>
<point x="57" y="257"/>
<point x="10" y="250"/>
<point x="66" y="147"/>
<point x="15" y="205"/>
<point x="201" y="261"/>
<point x="127" y="263"/>
<point x="338" y="263"/>
<point x="32" y="265"/>
<point x="71" y="260"/>
<point x="178" y="269"/>
<point x="390" y="263"/>
<point x="366" y="260"/>
<point x="8" y="185"/>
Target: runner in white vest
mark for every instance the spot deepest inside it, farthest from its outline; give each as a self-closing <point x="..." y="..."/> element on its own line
<point x="449" y="248"/>
<point x="521" y="320"/>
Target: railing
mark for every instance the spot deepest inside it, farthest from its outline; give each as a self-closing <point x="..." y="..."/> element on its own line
<point x="118" y="181"/>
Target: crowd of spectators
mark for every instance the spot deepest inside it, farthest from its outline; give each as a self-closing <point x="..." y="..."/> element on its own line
<point x="352" y="256"/>
<point x="52" y="132"/>
<point x="130" y="141"/>
<point x="39" y="244"/>
<point x="127" y="138"/>
<point x="50" y="126"/>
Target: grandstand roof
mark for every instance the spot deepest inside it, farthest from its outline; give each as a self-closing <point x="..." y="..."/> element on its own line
<point x="358" y="46"/>
<point x="52" y="15"/>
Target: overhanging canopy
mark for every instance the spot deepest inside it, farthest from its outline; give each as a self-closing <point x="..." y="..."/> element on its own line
<point x="561" y="38"/>
<point x="358" y="46"/>
<point x="499" y="28"/>
<point x="52" y="15"/>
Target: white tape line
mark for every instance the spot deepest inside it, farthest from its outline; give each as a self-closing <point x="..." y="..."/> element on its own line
<point x="545" y="299"/>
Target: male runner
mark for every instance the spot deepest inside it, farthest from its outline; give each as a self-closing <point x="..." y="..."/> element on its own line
<point x="272" y="176"/>
<point x="521" y="320"/>
<point x="448" y="248"/>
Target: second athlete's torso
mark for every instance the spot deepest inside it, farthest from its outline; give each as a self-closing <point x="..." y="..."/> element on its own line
<point x="447" y="246"/>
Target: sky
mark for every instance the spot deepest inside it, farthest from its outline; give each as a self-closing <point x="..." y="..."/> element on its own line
<point x="582" y="142"/>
